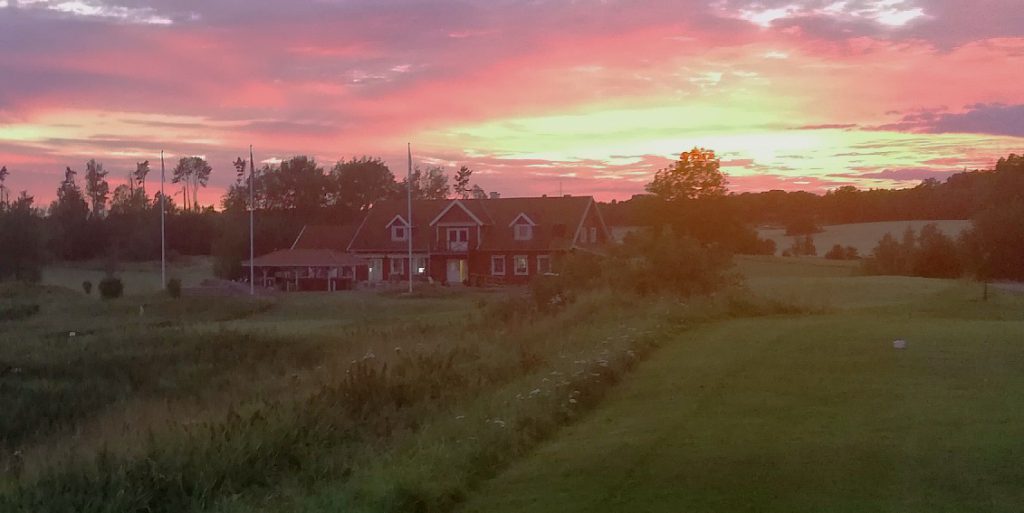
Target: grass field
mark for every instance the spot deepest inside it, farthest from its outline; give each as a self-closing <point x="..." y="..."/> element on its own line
<point x="804" y="413"/>
<point x="291" y="403"/>
<point x="863" y="236"/>
<point x="370" y="401"/>
<point x="138" y="277"/>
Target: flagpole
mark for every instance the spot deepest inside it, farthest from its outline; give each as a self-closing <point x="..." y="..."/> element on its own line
<point x="163" y="237"/>
<point x="252" y="213"/>
<point x="408" y="193"/>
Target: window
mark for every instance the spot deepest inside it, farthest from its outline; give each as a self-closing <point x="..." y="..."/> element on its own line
<point x="543" y="264"/>
<point x="593" y="234"/>
<point x="458" y="239"/>
<point x="397" y="266"/>
<point x="497" y="265"/>
<point x="398" y="232"/>
<point x="524" y="232"/>
<point x="522" y="265"/>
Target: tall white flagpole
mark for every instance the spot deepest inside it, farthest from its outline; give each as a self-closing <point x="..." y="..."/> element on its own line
<point x="252" y="213"/>
<point x="163" y="237"/>
<point x="408" y="193"/>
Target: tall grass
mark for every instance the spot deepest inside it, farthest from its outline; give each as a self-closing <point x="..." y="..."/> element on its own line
<point x="404" y="416"/>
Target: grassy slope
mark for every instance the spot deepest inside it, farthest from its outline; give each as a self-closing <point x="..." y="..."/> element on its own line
<point x="863" y="236"/>
<point x="808" y="413"/>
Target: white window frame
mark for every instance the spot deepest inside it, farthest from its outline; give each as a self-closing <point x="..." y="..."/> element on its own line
<point x="494" y="269"/>
<point x="401" y="267"/>
<point x="394" y="232"/>
<point x="526" y="265"/>
<point x="523" y="231"/>
<point x="543" y="258"/>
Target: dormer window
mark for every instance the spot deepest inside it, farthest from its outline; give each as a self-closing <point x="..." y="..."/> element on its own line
<point x="524" y="231"/>
<point x="522" y="227"/>
<point x="399" y="228"/>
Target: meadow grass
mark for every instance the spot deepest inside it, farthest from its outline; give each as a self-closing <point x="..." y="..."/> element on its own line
<point x="296" y="402"/>
<point x="138" y="277"/>
<point x="804" y="413"/>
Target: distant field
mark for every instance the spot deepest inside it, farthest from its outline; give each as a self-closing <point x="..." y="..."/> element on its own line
<point x="806" y="412"/>
<point x="863" y="236"/>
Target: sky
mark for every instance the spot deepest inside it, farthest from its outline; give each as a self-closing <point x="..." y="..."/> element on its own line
<point x="536" y="96"/>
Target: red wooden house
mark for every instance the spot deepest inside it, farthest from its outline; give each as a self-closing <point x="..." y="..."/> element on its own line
<point x="499" y="240"/>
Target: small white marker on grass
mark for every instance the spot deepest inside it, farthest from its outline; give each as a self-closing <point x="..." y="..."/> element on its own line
<point x="899" y="344"/>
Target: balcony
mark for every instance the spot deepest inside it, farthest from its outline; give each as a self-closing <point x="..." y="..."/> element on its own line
<point x="457" y="246"/>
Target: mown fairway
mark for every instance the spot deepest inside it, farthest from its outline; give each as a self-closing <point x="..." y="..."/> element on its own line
<point x="805" y="413"/>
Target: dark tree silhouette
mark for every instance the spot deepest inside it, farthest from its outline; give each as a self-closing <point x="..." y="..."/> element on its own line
<point x="462" y="189"/>
<point x="96" y="187"/>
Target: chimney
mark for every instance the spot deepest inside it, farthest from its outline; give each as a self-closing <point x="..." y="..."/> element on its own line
<point x="495" y="195"/>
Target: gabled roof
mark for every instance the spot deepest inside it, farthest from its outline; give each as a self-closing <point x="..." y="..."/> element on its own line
<point x="398" y="217"/>
<point x="451" y="205"/>
<point x="306" y="258"/>
<point x="556" y="222"/>
<point x="522" y="215"/>
<point x="318" y="236"/>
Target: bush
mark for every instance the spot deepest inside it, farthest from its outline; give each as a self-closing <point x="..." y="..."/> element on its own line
<point x="667" y="263"/>
<point x="803" y="246"/>
<point x="174" y="288"/>
<point x="15" y="312"/>
<point x="87" y="287"/>
<point x="111" y="287"/>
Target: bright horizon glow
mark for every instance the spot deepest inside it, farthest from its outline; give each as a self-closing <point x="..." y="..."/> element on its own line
<point x="535" y="97"/>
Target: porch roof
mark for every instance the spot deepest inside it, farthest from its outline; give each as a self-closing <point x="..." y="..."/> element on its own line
<point x="306" y="258"/>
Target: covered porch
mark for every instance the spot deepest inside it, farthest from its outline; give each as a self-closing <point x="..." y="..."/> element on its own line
<point x="293" y="270"/>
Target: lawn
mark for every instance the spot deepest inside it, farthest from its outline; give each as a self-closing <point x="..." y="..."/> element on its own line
<point x="804" y="413"/>
<point x="863" y="236"/>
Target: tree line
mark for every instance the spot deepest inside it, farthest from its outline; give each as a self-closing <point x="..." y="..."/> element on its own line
<point x="88" y="220"/>
<point x="690" y="197"/>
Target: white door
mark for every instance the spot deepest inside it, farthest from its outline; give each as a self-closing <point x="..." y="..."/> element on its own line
<point x="456" y="271"/>
<point x="376" y="269"/>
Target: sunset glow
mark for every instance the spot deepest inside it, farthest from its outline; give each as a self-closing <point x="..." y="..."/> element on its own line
<point x="537" y="97"/>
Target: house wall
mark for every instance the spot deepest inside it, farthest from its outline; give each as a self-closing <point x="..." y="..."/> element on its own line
<point x="591" y="221"/>
<point x="480" y="265"/>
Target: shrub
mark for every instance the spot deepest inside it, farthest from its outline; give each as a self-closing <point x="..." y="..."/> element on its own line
<point x="667" y="263"/>
<point x="839" y="252"/>
<point x="803" y="246"/>
<point x="111" y="287"/>
<point x="174" y="288"/>
<point x="836" y="253"/>
<point x="931" y="254"/>
<point x="87" y="287"/>
<point x="15" y="312"/>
